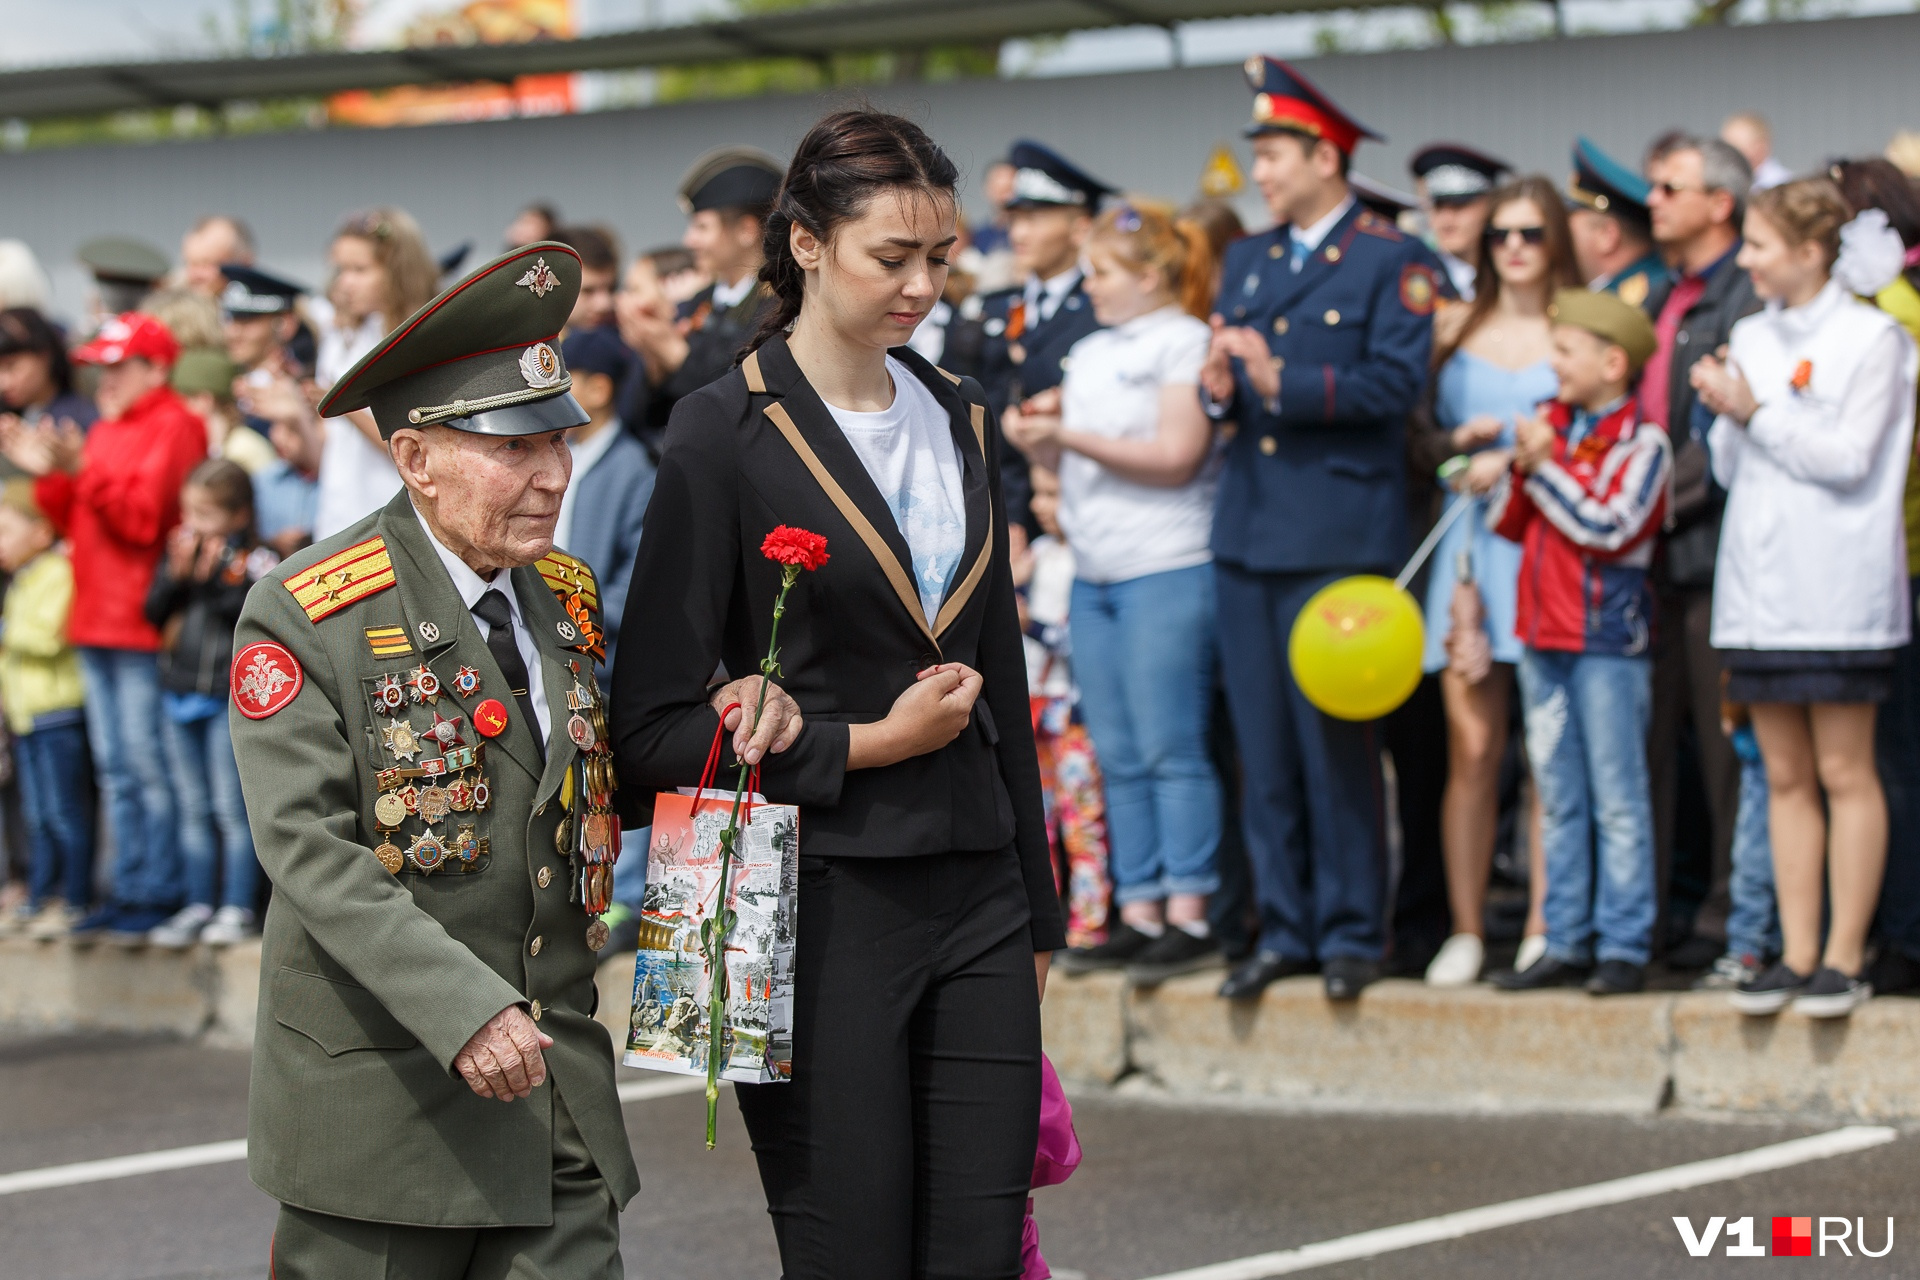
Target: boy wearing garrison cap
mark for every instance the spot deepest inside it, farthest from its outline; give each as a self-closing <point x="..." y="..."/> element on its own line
<point x="1584" y="499"/>
<point x="1322" y="334"/>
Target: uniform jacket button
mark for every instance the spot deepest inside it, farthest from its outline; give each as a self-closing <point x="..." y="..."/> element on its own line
<point x="537" y="1010"/>
<point x="1269" y="446"/>
<point x="1280" y="326"/>
<point x="533" y="948"/>
<point x="545" y="877"/>
<point x="1332" y="317"/>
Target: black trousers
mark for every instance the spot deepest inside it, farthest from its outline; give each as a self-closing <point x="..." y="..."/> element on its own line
<point x="904" y="1145"/>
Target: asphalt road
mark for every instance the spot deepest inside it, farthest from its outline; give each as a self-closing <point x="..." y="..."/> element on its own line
<point x="1164" y="1188"/>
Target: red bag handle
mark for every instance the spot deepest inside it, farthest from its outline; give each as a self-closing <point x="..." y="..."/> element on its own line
<point x="710" y="774"/>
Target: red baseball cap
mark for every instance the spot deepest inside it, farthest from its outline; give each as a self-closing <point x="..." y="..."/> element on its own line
<point x="130" y="336"/>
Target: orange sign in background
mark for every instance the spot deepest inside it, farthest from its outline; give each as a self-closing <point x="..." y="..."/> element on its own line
<point x="481" y="22"/>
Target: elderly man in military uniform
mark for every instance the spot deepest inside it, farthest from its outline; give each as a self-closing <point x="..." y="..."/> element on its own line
<point x="424" y="752"/>
<point x="1321" y="340"/>
<point x="726" y="195"/>
<point x="1029" y="328"/>
<point x="1612" y="230"/>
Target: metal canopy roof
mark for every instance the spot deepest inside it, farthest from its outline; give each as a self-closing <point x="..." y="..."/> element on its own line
<point x="860" y="26"/>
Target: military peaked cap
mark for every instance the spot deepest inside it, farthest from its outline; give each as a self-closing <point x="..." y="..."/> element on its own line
<point x="479" y="357"/>
<point x="731" y="178"/>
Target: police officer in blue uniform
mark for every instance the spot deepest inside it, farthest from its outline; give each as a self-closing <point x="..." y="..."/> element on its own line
<point x="1320" y="351"/>
<point x="1029" y="328"/>
<point x="1612" y="231"/>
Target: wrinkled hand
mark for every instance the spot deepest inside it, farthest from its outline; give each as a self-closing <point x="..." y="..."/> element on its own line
<point x="503" y="1060"/>
<point x="1475" y="433"/>
<point x="1535" y="443"/>
<point x="780" y="720"/>
<point x="1723" y="388"/>
<point x="1483" y="471"/>
<point x="1251" y="350"/>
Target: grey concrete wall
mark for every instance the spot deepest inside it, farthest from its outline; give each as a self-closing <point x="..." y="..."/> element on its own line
<point x="1830" y="88"/>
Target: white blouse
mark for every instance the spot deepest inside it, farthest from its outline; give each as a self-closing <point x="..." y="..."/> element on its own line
<point x="1813" y="550"/>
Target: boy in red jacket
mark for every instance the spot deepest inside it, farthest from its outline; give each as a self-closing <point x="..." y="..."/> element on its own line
<point x="1584" y="499"/>
<point x="115" y="494"/>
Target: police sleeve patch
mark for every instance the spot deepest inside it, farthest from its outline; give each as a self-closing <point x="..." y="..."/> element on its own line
<point x="265" y="678"/>
<point x="1418" y="291"/>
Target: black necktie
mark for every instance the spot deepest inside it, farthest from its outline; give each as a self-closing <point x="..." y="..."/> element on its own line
<point x="492" y="609"/>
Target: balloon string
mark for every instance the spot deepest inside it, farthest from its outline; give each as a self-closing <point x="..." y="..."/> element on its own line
<point x="1431" y="541"/>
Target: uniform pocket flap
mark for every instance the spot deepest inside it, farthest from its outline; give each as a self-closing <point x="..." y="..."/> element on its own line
<point x="337" y="1016"/>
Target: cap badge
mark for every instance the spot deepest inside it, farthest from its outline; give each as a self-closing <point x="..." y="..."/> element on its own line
<point x="540" y="279"/>
<point x="539" y="365"/>
<point x="1256" y="69"/>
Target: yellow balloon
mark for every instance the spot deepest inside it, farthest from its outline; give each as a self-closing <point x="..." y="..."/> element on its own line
<point x="1356" y="646"/>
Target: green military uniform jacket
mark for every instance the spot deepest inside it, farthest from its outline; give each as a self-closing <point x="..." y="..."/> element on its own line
<point x="373" y="980"/>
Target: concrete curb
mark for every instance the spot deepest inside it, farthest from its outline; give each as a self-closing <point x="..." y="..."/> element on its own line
<point x="1401" y="1047"/>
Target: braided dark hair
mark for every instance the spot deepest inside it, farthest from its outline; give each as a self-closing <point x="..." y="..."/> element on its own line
<point x="845" y="160"/>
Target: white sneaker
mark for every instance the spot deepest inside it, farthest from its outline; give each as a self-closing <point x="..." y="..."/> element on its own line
<point x="229" y="925"/>
<point x="178" y="931"/>
<point x="1532" y="947"/>
<point x="1458" y="962"/>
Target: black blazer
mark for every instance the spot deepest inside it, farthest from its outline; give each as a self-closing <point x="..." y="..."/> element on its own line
<point x="758" y="449"/>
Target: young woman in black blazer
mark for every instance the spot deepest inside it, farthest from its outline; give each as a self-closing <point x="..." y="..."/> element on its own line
<point x="904" y="1144"/>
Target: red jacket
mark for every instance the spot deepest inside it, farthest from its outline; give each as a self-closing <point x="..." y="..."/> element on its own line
<point x="118" y="511"/>
<point x="1586" y="521"/>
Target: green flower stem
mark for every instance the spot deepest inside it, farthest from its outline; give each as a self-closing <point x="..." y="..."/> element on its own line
<point x="721" y="925"/>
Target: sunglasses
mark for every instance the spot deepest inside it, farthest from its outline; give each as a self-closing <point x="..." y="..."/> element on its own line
<point x="1668" y="190"/>
<point x="1497" y="236"/>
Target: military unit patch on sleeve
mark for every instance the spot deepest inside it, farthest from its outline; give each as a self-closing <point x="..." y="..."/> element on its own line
<point x="265" y="678"/>
<point x="389" y="642"/>
<point x="342" y="578"/>
<point x="568" y="577"/>
<point x="1418" y="291"/>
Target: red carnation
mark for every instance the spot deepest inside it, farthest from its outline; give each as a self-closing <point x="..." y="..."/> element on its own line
<point x="791" y="546"/>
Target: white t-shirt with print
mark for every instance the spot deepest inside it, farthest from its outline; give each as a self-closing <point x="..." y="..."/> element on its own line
<point x="908" y="449"/>
<point x="1119" y="529"/>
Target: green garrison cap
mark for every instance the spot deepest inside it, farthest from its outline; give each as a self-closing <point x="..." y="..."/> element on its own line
<point x="1608" y="318"/>
<point x="480" y="357"/>
<point x="122" y="258"/>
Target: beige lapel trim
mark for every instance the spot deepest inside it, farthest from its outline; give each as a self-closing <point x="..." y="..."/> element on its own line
<point x="876" y="545"/>
<point x="958" y="600"/>
<point x="750" y="369"/>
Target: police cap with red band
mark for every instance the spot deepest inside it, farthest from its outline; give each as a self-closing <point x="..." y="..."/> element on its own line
<point x="1284" y="101"/>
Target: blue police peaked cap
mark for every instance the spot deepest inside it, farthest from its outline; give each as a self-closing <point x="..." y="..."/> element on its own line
<point x="1455" y="172"/>
<point x="250" y="291"/>
<point x="1603" y="183"/>
<point x="1043" y="178"/>
<point x="1284" y="101"/>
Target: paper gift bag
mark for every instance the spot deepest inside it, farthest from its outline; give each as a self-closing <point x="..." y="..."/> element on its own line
<point x="671" y="985"/>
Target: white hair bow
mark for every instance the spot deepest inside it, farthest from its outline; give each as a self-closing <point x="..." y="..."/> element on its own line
<point x="1871" y="254"/>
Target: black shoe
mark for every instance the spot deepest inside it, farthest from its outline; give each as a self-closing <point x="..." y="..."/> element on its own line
<point x="1171" y="954"/>
<point x="1832" y="994"/>
<point x="1695" y="953"/>
<point x="1122" y="946"/>
<point x="1894" y="972"/>
<point x="1347" y="976"/>
<point x="1771" y="992"/>
<point x="1252" y="976"/>
<point x="1543" y="973"/>
<point x="1617" y="978"/>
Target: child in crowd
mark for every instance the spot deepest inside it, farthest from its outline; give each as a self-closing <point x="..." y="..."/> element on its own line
<point x="1584" y="499"/>
<point x="1069" y="770"/>
<point x="46" y="710"/>
<point x="212" y="561"/>
<point x="1815" y="406"/>
<point x="1134" y="452"/>
<point x="1753" y="925"/>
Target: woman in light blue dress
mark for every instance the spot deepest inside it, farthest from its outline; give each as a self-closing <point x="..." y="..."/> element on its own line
<point x="1493" y="362"/>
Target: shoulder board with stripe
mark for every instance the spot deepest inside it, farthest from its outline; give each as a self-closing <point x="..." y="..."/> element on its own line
<point x="342" y="578"/>
<point x="1375" y="225"/>
<point x="567" y="576"/>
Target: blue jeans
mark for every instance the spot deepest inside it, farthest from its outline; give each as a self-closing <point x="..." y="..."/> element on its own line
<point x="207" y="780"/>
<point x="1143" y="654"/>
<point x="1586" y="719"/>
<point x="57" y="800"/>
<point x="123" y="727"/>
<point x="1753" y="926"/>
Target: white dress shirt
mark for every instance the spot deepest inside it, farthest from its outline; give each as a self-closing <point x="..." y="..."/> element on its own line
<point x="471" y="587"/>
<point x="728" y="296"/>
<point x="1319" y="231"/>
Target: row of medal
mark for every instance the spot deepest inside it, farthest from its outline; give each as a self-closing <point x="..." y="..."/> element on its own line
<point x="436" y="787"/>
<point x="589" y="831"/>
